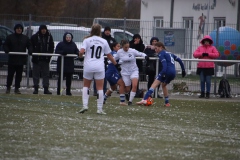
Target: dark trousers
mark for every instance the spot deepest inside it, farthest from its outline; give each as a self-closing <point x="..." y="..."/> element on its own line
<point x="68" y="76"/>
<point x="151" y="78"/>
<point x="12" y="69"/>
<point x="42" y="68"/>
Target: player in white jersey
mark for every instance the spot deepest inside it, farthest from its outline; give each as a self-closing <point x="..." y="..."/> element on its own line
<point x="94" y="48"/>
<point x="129" y="70"/>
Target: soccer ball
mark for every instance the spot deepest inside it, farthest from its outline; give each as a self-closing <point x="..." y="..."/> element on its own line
<point x="149" y="101"/>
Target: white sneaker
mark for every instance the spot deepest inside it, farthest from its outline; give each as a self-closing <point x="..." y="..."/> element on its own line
<point x="142" y="102"/>
<point x="101" y="112"/>
<point x="84" y="109"/>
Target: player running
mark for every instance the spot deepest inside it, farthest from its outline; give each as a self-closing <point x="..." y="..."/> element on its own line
<point x="166" y="75"/>
<point x="94" y="48"/>
<point x="114" y="78"/>
<point x="129" y="70"/>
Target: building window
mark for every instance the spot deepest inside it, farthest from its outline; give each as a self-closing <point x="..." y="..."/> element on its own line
<point x="188" y="22"/>
<point x="219" y="22"/>
<point x="158" y="22"/>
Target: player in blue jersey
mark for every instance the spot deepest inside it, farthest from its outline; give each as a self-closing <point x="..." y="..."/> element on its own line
<point x="166" y="75"/>
<point x="114" y="78"/>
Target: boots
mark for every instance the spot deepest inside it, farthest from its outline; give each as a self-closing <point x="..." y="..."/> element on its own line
<point x="58" y="91"/>
<point x="35" y="90"/>
<point x="207" y="95"/>
<point x="16" y="91"/>
<point x="68" y="92"/>
<point x="46" y="91"/>
<point x="202" y="95"/>
<point x="8" y="90"/>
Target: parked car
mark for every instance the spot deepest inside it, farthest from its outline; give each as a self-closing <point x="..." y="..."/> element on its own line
<point x="4" y="32"/>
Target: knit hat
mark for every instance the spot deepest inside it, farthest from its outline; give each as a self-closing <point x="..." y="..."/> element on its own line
<point x="107" y="29"/>
<point x="153" y="38"/>
<point x="18" y="26"/>
<point x="42" y="27"/>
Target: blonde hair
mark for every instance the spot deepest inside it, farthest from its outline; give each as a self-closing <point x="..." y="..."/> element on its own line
<point x="95" y="30"/>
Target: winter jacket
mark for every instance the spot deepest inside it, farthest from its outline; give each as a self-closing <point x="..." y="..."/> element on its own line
<point x="211" y="50"/>
<point x="110" y="40"/>
<point x="17" y="43"/>
<point x="64" y="48"/>
<point x="139" y="47"/>
<point x="151" y="64"/>
<point x="42" y="43"/>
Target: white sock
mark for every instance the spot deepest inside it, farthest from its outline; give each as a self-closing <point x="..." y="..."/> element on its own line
<point x="132" y="95"/>
<point x="85" y="97"/>
<point x="100" y="100"/>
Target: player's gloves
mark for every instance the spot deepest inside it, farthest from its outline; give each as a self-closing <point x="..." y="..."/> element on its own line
<point x="183" y="73"/>
<point x="146" y="58"/>
<point x="204" y="54"/>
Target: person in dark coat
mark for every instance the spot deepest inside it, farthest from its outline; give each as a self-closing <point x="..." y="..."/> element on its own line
<point x="16" y="42"/>
<point x="151" y="64"/>
<point x="67" y="46"/>
<point x="106" y="34"/>
<point x="137" y="43"/>
<point x="42" y="42"/>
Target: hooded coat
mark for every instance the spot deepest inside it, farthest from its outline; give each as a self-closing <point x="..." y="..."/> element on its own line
<point x="139" y="47"/>
<point x="42" y="43"/>
<point x="17" y="43"/>
<point x="64" y="48"/>
<point x="212" y="54"/>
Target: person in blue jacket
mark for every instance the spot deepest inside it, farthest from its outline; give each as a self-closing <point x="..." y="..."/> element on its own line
<point x="166" y="75"/>
<point x="67" y="46"/>
<point x="114" y="78"/>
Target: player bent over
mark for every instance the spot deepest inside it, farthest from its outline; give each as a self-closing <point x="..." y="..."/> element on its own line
<point x="166" y="75"/>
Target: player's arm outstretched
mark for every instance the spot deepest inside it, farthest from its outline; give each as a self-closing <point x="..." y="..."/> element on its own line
<point x="110" y="57"/>
<point x="181" y="64"/>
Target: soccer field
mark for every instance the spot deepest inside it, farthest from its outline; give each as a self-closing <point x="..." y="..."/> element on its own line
<point x="49" y="127"/>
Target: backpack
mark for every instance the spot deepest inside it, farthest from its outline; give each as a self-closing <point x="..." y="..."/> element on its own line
<point x="224" y="89"/>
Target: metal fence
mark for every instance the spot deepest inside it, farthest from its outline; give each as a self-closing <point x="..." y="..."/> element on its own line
<point x="189" y="84"/>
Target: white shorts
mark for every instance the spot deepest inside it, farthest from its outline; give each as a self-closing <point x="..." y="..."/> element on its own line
<point x="127" y="79"/>
<point x="94" y="75"/>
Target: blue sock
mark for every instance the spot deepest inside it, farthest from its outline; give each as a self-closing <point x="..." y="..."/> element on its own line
<point x="166" y="100"/>
<point x="148" y="94"/>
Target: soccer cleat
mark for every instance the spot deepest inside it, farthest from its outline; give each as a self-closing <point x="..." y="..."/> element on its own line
<point x="167" y="105"/>
<point x="101" y="112"/>
<point x="129" y="103"/>
<point x="123" y="104"/>
<point x="83" y="110"/>
<point x="142" y="102"/>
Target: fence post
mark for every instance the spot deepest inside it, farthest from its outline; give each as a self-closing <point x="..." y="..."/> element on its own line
<point x="28" y="60"/>
<point x="61" y="78"/>
<point x="124" y="28"/>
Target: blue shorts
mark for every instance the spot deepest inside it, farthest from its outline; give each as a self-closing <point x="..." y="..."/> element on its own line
<point x="167" y="79"/>
<point x="112" y="78"/>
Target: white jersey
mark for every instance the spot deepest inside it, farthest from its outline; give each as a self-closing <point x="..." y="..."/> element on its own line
<point x="128" y="60"/>
<point x="95" y="48"/>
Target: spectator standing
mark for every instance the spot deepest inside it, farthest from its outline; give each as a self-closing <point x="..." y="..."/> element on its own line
<point x="205" y="69"/>
<point x="67" y="46"/>
<point x="42" y="42"/>
<point x="151" y="65"/>
<point x="16" y="42"/>
<point x="166" y="75"/>
<point x="94" y="47"/>
<point x="106" y="34"/>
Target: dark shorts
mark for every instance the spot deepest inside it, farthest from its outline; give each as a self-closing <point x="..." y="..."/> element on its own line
<point x="167" y="79"/>
<point x="112" y="78"/>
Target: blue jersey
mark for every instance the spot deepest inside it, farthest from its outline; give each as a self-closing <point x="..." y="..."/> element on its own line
<point x="111" y="67"/>
<point x="168" y="62"/>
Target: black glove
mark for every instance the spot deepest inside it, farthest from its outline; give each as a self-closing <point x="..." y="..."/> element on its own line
<point x="29" y="53"/>
<point x="64" y="53"/>
<point x="183" y="73"/>
<point x="146" y="58"/>
<point x="6" y="51"/>
<point x="204" y="54"/>
<point x="81" y="59"/>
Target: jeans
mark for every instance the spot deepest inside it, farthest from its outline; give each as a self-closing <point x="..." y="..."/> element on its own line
<point x="205" y="79"/>
<point x="41" y="68"/>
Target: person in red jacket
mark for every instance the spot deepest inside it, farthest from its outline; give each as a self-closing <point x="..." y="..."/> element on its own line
<point x="205" y="69"/>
